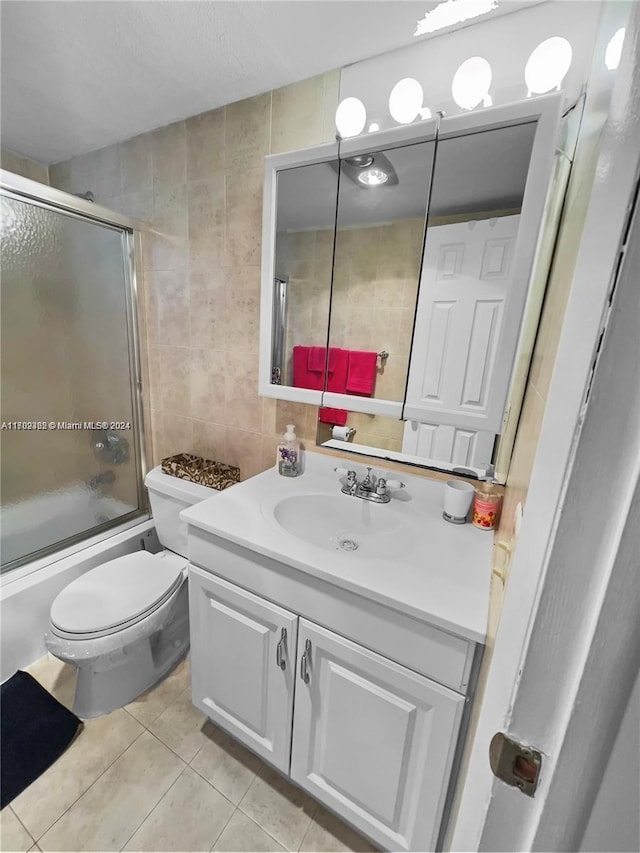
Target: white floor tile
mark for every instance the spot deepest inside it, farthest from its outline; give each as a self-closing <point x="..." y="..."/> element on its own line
<point x="280" y="808"/>
<point x="190" y="816"/>
<point x="226" y="764"/>
<point x="107" y="815"/>
<point x="242" y="834"/>
<point x="97" y="746"/>
<point x="13" y="835"/>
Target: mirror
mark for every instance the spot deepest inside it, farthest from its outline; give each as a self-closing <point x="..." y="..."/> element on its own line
<point x="461" y="354"/>
<point x="382" y="202"/>
<point x="433" y="314"/>
<point x="303" y="262"/>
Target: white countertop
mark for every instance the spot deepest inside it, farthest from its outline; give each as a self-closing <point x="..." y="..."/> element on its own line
<point x="441" y="575"/>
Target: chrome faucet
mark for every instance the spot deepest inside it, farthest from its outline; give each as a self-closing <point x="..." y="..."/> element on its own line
<point x="371" y="488"/>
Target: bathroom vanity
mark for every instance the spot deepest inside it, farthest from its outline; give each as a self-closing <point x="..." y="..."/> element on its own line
<point x="340" y="639"/>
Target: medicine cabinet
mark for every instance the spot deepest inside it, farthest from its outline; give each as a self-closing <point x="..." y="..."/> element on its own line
<point x="396" y="270"/>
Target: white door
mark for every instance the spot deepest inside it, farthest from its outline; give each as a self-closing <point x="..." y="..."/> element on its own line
<point x="461" y="364"/>
<point x="372" y="739"/>
<point x="242" y="656"/>
<point x="458" y="445"/>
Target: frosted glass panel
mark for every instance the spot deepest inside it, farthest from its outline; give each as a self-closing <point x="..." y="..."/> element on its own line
<point x="64" y="370"/>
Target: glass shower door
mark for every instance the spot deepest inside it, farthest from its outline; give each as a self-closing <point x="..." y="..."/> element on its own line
<point x="70" y="453"/>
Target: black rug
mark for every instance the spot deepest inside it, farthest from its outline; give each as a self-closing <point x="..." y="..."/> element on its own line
<point x="35" y="729"/>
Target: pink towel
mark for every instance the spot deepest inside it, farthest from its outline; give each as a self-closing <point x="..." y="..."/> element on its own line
<point x="318" y="355"/>
<point x="317" y="358"/>
<point x="335" y="417"/>
<point x="302" y="376"/>
<point x="306" y="377"/>
<point x="361" y="375"/>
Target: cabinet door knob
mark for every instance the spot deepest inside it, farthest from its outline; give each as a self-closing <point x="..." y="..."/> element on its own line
<point x="304" y="662"/>
<point x="280" y="650"/>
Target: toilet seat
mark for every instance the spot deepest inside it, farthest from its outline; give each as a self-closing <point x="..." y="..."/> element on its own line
<point x="116" y="595"/>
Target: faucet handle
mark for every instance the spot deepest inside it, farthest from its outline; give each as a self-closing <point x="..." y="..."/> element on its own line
<point x="344" y="472"/>
<point x="395" y="484"/>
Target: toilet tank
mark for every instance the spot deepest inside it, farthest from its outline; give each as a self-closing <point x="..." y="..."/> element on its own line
<point x="169" y="496"/>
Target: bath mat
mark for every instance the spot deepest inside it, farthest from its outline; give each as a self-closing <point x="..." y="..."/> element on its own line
<point x="35" y="729"/>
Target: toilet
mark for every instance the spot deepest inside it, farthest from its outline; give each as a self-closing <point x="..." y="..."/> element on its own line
<point x="125" y="623"/>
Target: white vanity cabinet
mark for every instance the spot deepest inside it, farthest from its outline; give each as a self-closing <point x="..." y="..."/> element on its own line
<point x="242" y="657"/>
<point x="372" y="740"/>
<point x="370" y="737"/>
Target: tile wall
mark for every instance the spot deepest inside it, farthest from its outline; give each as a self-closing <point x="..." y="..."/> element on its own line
<point x="24" y="166"/>
<point x="198" y="183"/>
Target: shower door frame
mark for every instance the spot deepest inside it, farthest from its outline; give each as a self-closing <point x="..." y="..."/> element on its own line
<point x="25" y="190"/>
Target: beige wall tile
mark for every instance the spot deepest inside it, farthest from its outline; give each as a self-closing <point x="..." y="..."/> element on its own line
<point x="205" y="145"/>
<point x="175" y="380"/>
<point x="206" y="223"/>
<point x="199" y="185"/>
<point x="243" y="309"/>
<point x="208" y="440"/>
<point x="177" y="435"/>
<point x="247" y="125"/>
<point x="244" y="449"/>
<point x="24" y="166"/>
<point x="169" y="155"/>
<point x="208" y="314"/>
<point x="297" y="114"/>
<point x="208" y="384"/>
<point x="136" y="163"/>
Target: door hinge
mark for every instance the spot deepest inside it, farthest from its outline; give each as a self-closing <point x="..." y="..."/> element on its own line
<point x="514" y="763"/>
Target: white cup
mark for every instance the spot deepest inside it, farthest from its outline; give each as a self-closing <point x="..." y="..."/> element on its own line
<point x="457" y="501"/>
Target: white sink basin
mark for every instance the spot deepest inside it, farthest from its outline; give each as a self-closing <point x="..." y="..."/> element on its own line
<point x="347" y="524"/>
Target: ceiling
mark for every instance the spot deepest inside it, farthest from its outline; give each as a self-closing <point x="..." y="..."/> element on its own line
<point x="77" y="76"/>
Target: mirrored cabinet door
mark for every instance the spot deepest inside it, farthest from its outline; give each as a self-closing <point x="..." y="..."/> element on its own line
<point x="382" y="206"/>
<point x="297" y="270"/>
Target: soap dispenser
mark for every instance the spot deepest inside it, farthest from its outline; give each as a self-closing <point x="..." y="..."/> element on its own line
<point x="486" y="504"/>
<point x="289" y="453"/>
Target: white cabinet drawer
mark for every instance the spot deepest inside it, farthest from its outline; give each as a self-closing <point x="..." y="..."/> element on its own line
<point x="243" y="652"/>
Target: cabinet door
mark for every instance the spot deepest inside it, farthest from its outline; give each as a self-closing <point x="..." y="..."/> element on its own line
<point x="242" y="657"/>
<point x="372" y="739"/>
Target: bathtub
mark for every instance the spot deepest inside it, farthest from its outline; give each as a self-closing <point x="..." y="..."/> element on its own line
<point x="26" y="593"/>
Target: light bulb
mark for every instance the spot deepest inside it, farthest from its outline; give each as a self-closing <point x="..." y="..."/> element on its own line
<point x="547" y="65"/>
<point x="614" y="50"/>
<point x="471" y="83"/>
<point x="405" y="100"/>
<point x="351" y="117"/>
<point x="373" y="177"/>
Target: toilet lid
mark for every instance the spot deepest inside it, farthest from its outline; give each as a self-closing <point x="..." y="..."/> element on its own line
<point x="117" y="592"/>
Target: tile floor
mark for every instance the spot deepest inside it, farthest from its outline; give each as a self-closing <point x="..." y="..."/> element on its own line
<point x="157" y="775"/>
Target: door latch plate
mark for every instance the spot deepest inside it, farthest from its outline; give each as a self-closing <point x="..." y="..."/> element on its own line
<point x="514" y="763"/>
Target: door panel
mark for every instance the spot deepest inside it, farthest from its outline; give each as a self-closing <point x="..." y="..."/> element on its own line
<point x="373" y="740"/>
<point x="237" y="652"/>
<point x="463" y="447"/>
<point x="460" y="367"/>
